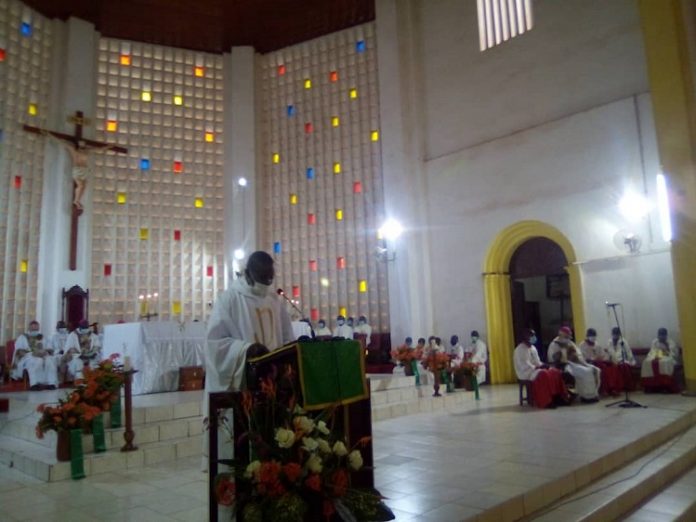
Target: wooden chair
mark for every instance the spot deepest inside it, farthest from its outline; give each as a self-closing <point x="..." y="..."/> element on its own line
<point x="525" y="392"/>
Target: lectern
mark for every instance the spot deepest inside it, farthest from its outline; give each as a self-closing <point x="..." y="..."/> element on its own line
<point x="326" y="374"/>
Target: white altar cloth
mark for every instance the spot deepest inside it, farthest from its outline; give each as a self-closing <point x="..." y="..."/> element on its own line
<point x="157" y="350"/>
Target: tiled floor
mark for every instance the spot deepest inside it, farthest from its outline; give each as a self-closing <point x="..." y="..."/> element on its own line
<point x="432" y="467"/>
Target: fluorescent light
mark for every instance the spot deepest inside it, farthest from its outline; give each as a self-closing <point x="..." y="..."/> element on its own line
<point x="239" y="254"/>
<point x="634" y="206"/>
<point x="391" y="229"/>
<point x="663" y="207"/>
<point x="242" y="182"/>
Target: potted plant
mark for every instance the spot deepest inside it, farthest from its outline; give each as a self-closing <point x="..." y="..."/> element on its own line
<point x="439" y="364"/>
<point x="463" y="375"/>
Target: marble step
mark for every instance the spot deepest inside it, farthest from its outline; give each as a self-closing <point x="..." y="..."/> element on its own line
<point x="385" y="382"/>
<point x="40" y="461"/>
<point x="676" y="501"/>
<point x="419" y="400"/>
<point x="619" y="492"/>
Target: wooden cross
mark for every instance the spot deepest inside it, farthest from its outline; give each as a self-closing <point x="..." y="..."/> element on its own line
<point x="77" y="140"/>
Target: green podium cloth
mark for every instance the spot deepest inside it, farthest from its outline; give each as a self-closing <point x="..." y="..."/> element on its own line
<point x="77" y="464"/>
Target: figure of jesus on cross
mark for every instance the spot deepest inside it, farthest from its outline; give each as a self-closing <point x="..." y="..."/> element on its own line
<point x="78" y="148"/>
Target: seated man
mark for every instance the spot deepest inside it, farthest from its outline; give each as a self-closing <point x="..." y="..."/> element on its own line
<point x="456" y="350"/>
<point x="548" y="388"/>
<point x="363" y="328"/>
<point x="301" y="327"/>
<point x="408" y="343"/>
<point x="621" y="355"/>
<point x="32" y="356"/>
<point x="594" y="354"/>
<point x="657" y="372"/>
<point x="565" y="356"/>
<point x="82" y="348"/>
<point x="342" y="329"/>
<point x="322" y="330"/>
<point x="477" y="352"/>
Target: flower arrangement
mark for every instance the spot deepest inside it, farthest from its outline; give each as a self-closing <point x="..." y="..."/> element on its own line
<point x="301" y="466"/>
<point x="405" y="355"/>
<point x="467" y="368"/>
<point x="70" y="413"/>
<point x="102" y="383"/>
<point x="436" y="361"/>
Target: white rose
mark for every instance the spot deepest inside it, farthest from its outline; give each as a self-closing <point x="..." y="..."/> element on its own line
<point x="340" y="449"/>
<point x="309" y="444"/>
<point x="304" y="424"/>
<point x="314" y="464"/>
<point x="298" y="410"/>
<point x="285" y="438"/>
<point x="323" y="428"/>
<point x="252" y="470"/>
<point x="324" y="446"/>
<point x="355" y="460"/>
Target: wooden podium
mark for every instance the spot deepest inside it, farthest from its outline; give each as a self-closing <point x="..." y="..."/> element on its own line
<point x="323" y="377"/>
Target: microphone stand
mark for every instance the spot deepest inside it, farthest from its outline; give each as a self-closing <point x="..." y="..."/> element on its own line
<point x="626" y="402"/>
<point x="281" y="293"/>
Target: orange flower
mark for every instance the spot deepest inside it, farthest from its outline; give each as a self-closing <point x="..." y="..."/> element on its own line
<point x="329" y="509"/>
<point x="364" y="441"/>
<point x="268" y="388"/>
<point x="313" y="482"/>
<point x="247" y="402"/>
<point x="57" y="419"/>
<point x="340" y="482"/>
<point x="72" y="421"/>
<point x="292" y="471"/>
<point x="225" y="492"/>
<point x="269" y="471"/>
<point x="40" y="408"/>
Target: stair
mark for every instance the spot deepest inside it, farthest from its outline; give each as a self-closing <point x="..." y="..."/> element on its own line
<point x="676" y="501"/>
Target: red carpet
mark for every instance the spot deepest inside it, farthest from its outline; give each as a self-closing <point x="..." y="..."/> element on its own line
<point x="18" y="386"/>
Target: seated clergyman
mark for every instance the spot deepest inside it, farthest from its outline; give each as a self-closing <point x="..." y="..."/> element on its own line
<point x="363" y="328"/>
<point x="566" y="356"/>
<point x="82" y="348"/>
<point x="322" y="330"/>
<point x="548" y="388"/>
<point x="37" y="359"/>
<point x="657" y="371"/>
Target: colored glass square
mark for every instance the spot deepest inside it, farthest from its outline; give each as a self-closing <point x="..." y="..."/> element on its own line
<point x="293" y="199"/>
<point x="33" y="109"/>
<point x="210" y="137"/>
<point x="146" y="96"/>
<point x="333" y="76"/>
<point x="337" y="168"/>
<point x="125" y="59"/>
<point x="144" y="164"/>
<point x="281" y="70"/>
<point x="121" y="198"/>
<point x="199" y="71"/>
<point x="311" y="219"/>
<point x="310" y="173"/>
<point x="209" y="271"/>
<point x="111" y="125"/>
<point x="353" y="94"/>
<point x="26" y="29"/>
<point x="357" y="187"/>
<point x="362" y="286"/>
<point x="360" y="46"/>
<point x="291" y="110"/>
<point x="276" y="157"/>
<point x="144" y="234"/>
<point x="314" y="314"/>
<point x="343" y="311"/>
<point x="312" y="265"/>
<point x="374" y="135"/>
<point x="176" y="307"/>
<point x="18" y="182"/>
<point x="107" y="270"/>
<point x="2" y="55"/>
<point x="276" y="247"/>
<point x="198" y="203"/>
<point x="178" y="167"/>
<point x="340" y="263"/>
<point x="339" y="214"/>
<point x="178" y="99"/>
<point x="24" y="266"/>
<point x="307" y="83"/>
<point x="335" y="121"/>
<point x="295" y="291"/>
<point x="177" y="235"/>
<point x="308" y="127"/>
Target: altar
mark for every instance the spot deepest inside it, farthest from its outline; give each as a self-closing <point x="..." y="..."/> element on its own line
<point x="157" y="350"/>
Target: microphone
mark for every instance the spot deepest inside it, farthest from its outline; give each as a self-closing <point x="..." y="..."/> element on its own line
<point x="608" y="304"/>
<point x="281" y="293"/>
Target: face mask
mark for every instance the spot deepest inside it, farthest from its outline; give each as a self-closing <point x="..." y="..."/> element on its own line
<point x="33" y="333"/>
<point x="62" y="330"/>
<point x="532" y="339"/>
<point x="83" y="331"/>
<point x="474" y="339"/>
<point x="341" y="322"/>
<point x="260" y="290"/>
<point x="592" y="338"/>
<point x="322" y="325"/>
<point x="361" y="323"/>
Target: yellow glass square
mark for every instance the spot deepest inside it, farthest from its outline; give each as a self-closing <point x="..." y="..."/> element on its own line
<point x="342" y="311"/>
<point x="125" y="59"/>
<point x="276" y="157"/>
<point x="178" y="99"/>
<point x="339" y="214"/>
<point x="335" y="121"/>
<point x="209" y="137"/>
<point x="24" y="266"/>
<point x="33" y="110"/>
<point x="144" y="234"/>
<point x="308" y="83"/>
<point x="353" y="93"/>
<point x="121" y="198"/>
<point x="337" y="168"/>
<point x="362" y="286"/>
<point x="199" y="71"/>
<point x="198" y="203"/>
<point x="374" y="135"/>
<point x="146" y="96"/>
<point x="111" y="125"/>
<point x="293" y="199"/>
<point x="176" y="307"/>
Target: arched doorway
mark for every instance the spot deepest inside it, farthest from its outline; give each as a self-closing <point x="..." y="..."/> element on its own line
<point x="498" y="290"/>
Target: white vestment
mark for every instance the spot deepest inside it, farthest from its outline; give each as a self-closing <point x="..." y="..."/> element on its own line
<point x="667" y="354"/>
<point x="41" y="366"/>
<point x="526" y="359"/>
<point x="300" y="328"/>
<point x="344" y="331"/>
<point x="77" y="347"/>
<point x="587" y="376"/>
<point x="323" y="332"/>
<point x="58" y="341"/>
<point x="615" y="352"/>
<point x="458" y="352"/>
<point x="479" y="355"/>
<point x="366" y="330"/>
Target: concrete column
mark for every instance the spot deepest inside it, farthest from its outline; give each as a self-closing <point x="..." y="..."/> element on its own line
<point x="73" y="89"/>
<point x="239" y="156"/>
<point x="405" y="198"/>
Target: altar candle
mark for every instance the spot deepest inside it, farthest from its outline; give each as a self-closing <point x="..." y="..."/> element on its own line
<point x="127" y="363"/>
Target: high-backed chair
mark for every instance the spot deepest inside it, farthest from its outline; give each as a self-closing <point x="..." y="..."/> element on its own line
<point x="75" y="306"/>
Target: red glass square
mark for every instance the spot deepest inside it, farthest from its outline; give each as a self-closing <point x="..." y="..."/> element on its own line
<point x="308" y="127"/>
<point x="281" y="70"/>
<point x="340" y="263"/>
<point x="2" y="55"/>
<point x="314" y="314"/>
<point x="311" y="219"/>
<point x="295" y="291"/>
<point x="333" y="76"/>
<point x="177" y="235"/>
<point x="313" y="265"/>
<point x="178" y="166"/>
<point x="18" y="182"/>
<point x="107" y="270"/>
<point x="209" y="271"/>
<point x="357" y="187"/>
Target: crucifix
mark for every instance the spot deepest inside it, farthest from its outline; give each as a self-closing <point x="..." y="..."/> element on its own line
<point x="78" y="148"/>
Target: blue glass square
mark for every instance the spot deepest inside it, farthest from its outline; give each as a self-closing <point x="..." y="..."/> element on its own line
<point x="276" y="247"/>
<point x="26" y="29"/>
<point x="360" y="46"/>
<point x="144" y="164"/>
<point x="310" y="172"/>
<point x="291" y="110"/>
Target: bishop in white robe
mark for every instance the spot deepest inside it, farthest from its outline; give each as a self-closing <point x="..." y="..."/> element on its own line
<point x="566" y="355"/>
<point x="31" y="355"/>
<point x="82" y="347"/>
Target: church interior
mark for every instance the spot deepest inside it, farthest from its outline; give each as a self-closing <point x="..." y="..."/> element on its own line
<point x="517" y="173"/>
